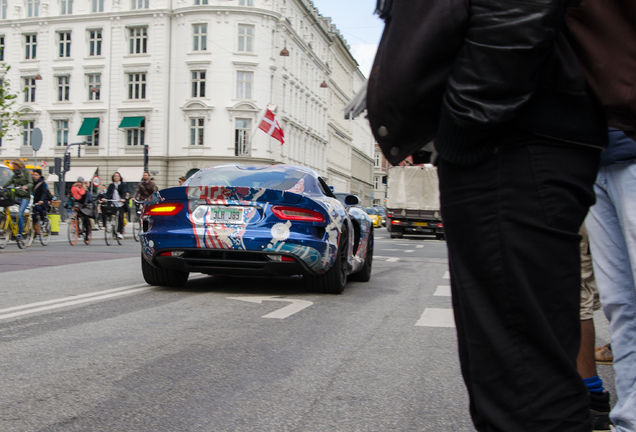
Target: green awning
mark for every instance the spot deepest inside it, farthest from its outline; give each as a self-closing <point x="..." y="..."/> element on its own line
<point x="88" y="126"/>
<point x="130" y="122"/>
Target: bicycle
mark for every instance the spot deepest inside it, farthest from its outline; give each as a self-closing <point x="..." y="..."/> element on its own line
<point x="43" y="229"/>
<point x="110" y="212"/>
<point x="139" y="205"/>
<point x="77" y="226"/>
<point x="9" y="228"/>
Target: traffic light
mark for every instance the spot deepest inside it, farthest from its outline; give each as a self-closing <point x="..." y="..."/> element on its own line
<point x="57" y="167"/>
<point x="67" y="162"/>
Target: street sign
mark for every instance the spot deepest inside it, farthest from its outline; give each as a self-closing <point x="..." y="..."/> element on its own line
<point x="36" y="139"/>
<point x="96" y="181"/>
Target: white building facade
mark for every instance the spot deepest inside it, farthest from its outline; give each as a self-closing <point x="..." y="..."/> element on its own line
<point x="188" y="81"/>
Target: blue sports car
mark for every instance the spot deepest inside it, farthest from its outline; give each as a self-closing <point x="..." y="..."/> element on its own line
<point x="278" y="220"/>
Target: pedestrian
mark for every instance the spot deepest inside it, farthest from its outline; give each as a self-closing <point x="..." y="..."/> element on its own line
<point x="118" y="191"/>
<point x="182" y="180"/>
<point x="145" y="188"/>
<point x="23" y="183"/>
<point x="586" y="362"/>
<point x="611" y="225"/>
<point x="518" y="142"/>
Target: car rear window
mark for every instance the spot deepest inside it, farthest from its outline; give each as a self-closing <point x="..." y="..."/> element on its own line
<point x="256" y="177"/>
<point x="371" y="211"/>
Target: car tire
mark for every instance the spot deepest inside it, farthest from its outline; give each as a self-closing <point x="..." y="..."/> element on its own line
<point x="364" y="275"/>
<point x="163" y="277"/>
<point x="333" y="281"/>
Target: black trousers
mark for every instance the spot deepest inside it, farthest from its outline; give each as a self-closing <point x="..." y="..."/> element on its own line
<point x="511" y="226"/>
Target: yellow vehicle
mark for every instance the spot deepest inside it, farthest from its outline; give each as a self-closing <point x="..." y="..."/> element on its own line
<point x="7" y="163"/>
<point x="9" y="227"/>
<point x="375" y="216"/>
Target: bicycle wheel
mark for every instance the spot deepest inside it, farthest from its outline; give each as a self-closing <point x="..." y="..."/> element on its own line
<point x="136" y="229"/>
<point x="28" y="232"/>
<point x="72" y="231"/>
<point x="4" y="231"/>
<point x="109" y="230"/>
<point x="45" y="232"/>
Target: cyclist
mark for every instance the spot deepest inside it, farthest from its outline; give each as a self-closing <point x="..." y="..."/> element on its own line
<point x="145" y="188"/>
<point x="23" y="182"/>
<point x="117" y="191"/>
<point x="41" y="203"/>
<point x="82" y="201"/>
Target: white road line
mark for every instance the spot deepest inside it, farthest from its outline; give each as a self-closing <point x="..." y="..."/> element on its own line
<point x="392" y="260"/>
<point x="446" y="275"/>
<point x="419" y="247"/>
<point x="443" y="290"/>
<point x="436" y="318"/>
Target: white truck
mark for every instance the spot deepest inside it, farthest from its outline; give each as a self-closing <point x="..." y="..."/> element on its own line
<point x="413" y="201"/>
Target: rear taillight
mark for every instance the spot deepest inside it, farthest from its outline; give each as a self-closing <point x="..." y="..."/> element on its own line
<point x="396" y="222"/>
<point x="163" y="209"/>
<point x="297" y="214"/>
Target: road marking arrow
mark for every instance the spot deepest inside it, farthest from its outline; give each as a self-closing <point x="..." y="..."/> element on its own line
<point x="282" y="313"/>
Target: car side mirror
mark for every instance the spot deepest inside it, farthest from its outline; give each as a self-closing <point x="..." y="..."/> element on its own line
<point x="352" y="200"/>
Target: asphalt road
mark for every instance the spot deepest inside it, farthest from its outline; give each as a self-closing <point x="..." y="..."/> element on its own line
<point x="86" y="345"/>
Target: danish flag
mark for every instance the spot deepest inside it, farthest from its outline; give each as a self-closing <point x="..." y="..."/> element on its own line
<point x="270" y="126"/>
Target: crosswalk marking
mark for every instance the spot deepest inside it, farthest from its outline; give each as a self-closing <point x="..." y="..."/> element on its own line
<point x="433" y="317"/>
<point x="443" y="290"/>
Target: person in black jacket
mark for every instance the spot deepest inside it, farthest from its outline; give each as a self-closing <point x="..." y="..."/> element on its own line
<point x="41" y="203"/>
<point x="518" y="143"/>
<point x="118" y="191"/>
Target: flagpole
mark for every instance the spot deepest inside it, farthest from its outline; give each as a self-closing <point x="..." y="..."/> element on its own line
<point x="258" y="122"/>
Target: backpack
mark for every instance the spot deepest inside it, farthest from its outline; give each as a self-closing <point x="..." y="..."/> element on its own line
<point x="604" y="39"/>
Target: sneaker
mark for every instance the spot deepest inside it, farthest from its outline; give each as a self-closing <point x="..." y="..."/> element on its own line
<point x="604" y="355"/>
<point x="600" y="409"/>
<point x="18" y="237"/>
<point x="120" y="236"/>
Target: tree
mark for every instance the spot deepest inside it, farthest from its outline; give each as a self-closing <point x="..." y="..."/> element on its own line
<point x="9" y="116"/>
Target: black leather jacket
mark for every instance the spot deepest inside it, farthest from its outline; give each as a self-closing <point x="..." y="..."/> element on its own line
<point x="516" y="71"/>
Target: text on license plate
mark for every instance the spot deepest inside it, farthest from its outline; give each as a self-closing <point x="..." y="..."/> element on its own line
<point x="224" y="215"/>
<point x="420" y="223"/>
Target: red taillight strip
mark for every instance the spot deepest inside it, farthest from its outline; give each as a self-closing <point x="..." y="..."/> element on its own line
<point x="163" y="209"/>
<point x="297" y="214"/>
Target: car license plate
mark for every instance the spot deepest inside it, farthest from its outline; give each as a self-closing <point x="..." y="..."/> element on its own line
<point x="420" y="223"/>
<point x="224" y="215"/>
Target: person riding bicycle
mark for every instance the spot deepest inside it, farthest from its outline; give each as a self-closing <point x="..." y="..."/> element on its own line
<point x="83" y="202"/>
<point x="41" y="203"/>
<point x="117" y="191"/>
<point x="145" y="188"/>
<point x="23" y="182"/>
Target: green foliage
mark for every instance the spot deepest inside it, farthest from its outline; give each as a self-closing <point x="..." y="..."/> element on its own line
<point x="9" y="116"/>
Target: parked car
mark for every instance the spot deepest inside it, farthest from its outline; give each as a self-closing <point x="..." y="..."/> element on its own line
<point x="278" y="220"/>
<point x="375" y="216"/>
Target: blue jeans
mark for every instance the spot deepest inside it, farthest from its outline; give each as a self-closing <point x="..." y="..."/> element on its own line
<point x="24" y="203"/>
<point x="611" y="225"/>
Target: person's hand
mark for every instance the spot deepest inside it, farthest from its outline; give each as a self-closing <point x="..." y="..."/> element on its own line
<point x="122" y="200"/>
<point x="24" y="188"/>
<point x="40" y="202"/>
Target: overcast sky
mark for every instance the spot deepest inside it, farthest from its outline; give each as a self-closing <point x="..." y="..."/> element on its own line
<point x="358" y="24"/>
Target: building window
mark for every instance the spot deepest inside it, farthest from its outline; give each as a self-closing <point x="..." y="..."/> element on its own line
<point x="33" y="8"/>
<point x="196" y="131"/>
<point x="94" y="82"/>
<point x="27" y="130"/>
<point x="30" y="45"/>
<point x="65" y="44"/>
<point x="29" y="89"/>
<point x="200" y="2"/>
<point x="136" y="86"/>
<point x="198" y="84"/>
<point x="66" y="7"/>
<point x="93" y="139"/>
<point x="61" y="133"/>
<point x="139" y="4"/>
<point x="95" y="42"/>
<point x="1" y="47"/>
<point x="244" y="85"/>
<point x="200" y="37"/>
<point x="378" y="160"/>
<point x="138" y="40"/>
<point x="97" y="5"/>
<point x="135" y="136"/>
<point x="3" y="9"/>
<point x="246" y="2"/>
<point x="241" y="136"/>
<point x="63" y="88"/>
<point x="245" y="38"/>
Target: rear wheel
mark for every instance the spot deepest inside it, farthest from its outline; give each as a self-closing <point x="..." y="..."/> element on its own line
<point x="4" y="231"/>
<point x="334" y="280"/>
<point x="163" y="277"/>
<point x="45" y="232"/>
<point x="137" y="228"/>
<point x="109" y="231"/>
<point x="72" y="231"/>
<point x="364" y="275"/>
